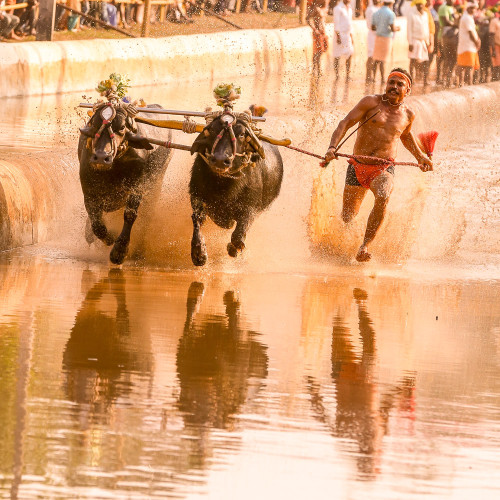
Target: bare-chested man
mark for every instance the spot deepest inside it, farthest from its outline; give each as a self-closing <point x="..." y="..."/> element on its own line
<point x="378" y="137"/>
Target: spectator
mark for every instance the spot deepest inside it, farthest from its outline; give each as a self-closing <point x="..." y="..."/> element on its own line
<point x="468" y="45"/>
<point x="343" y="42"/>
<point x="27" y="20"/>
<point x="484" y="52"/>
<point x="495" y="46"/>
<point x="384" y="27"/>
<point x="8" y="23"/>
<point x="372" y="8"/>
<point x="418" y="40"/>
<point x="446" y="15"/>
<point x="316" y="20"/>
<point x="73" y="18"/>
<point x="429" y="10"/>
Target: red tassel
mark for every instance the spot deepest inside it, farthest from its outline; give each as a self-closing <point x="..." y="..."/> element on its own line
<point x="427" y="141"/>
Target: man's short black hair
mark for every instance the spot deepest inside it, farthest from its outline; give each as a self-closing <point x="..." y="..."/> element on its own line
<point x="401" y="70"/>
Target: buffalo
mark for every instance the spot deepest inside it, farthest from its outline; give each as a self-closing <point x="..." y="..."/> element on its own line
<point x="234" y="178"/>
<point x="118" y="168"/>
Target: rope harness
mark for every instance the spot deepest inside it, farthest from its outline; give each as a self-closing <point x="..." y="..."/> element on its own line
<point x="228" y="119"/>
<point x="117" y="149"/>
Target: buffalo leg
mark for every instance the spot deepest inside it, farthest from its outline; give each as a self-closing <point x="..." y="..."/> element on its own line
<point x="98" y="226"/>
<point x="120" y="247"/>
<point x="198" y="247"/>
<point x="237" y="243"/>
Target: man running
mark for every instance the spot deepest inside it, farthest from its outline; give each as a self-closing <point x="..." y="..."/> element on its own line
<point x="389" y="120"/>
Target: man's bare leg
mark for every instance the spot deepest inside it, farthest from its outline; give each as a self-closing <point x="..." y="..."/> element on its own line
<point x="353" y="197"/>
<point x="381" y="187"/>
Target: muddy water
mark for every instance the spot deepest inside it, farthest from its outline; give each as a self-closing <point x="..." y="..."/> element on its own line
<point x="292" y="372"/>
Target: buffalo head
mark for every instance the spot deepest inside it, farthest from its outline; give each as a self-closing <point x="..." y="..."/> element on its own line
<point x="110" y="131"/>
<point x="228" y="144"/>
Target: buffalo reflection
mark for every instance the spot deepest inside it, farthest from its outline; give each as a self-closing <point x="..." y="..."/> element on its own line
<point x="363" y="406"/>
<point x="101" y="352"/>
<point x="220" y="365"/>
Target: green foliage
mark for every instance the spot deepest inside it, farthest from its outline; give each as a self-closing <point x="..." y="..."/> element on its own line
<point x="117" y="83"/>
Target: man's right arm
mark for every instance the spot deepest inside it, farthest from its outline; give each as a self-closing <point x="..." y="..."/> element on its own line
<point x="354" y="116"/>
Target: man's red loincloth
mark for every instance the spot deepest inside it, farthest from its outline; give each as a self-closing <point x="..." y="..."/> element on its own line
<point x="366" y="172"/>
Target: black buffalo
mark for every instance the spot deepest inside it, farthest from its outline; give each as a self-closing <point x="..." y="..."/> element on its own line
<point x="118" y="168"/>
<point x="234" y="178"/>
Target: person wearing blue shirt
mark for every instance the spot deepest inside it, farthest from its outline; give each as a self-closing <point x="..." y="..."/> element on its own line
<point x="384" y="27"/>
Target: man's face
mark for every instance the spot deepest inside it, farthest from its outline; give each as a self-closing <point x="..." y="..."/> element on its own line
<point x="347" y="2"/>
<point x="449" y="3"/>
<point x="420" y="7"/>
<point x="396" y="88"/>
<point x="471" y="10"/>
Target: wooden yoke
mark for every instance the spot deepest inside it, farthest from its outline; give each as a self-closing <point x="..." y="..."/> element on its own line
<point x="177" y="125"/>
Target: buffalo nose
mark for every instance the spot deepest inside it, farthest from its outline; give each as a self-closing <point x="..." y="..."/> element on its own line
<point x="101" y="158"/>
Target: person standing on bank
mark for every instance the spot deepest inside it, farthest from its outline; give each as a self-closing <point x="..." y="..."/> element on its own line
<point x="316" y="20"/>
<point x="383" y="24"/>
<point x="418" y="40"/>
<point x="370" y="42"/>
<point x="343" y="42"/>
<point x="389" y="119"/>
<point x="468" y="46"/>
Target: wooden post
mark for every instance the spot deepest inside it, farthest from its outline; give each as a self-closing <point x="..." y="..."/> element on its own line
<point x="45" y="23"/>
<point x="145" y="21"/>
<point x="264" y="5"/>
<point x="237" y="9"/>
<point x="302" y="11"/>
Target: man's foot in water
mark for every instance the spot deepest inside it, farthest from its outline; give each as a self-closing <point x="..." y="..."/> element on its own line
<point x="363" y="255"/>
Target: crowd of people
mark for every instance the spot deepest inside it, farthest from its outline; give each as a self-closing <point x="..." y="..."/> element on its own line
<point x="18" y="23"/>
<point x="462" y="37"/>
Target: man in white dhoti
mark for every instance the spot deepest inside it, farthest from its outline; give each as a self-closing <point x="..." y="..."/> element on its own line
<point x="370" y="42"/>
<point x="343" y="43"/>
<point x="419" y="39"/>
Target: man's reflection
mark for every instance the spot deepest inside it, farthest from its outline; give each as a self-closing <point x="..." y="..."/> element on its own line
<point x="100" y="350"/>
<point x="363" y="407"/>
<point x="220" y="365"/>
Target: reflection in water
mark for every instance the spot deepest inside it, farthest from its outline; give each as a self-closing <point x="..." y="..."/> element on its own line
<point x="220" y="367"/>
<point x="363" y="407"/>
<point x="100" y="351"/>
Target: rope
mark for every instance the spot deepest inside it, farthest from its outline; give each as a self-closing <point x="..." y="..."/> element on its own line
<point x="356" y="157"/>
<point x="188" y="126"/>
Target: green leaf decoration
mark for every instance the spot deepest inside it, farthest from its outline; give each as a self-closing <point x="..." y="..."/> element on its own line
<point x="117" y="83"/>
<point x="226" y="91"/>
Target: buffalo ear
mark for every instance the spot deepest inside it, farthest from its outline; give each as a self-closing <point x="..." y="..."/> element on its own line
<point x="255" y="157"/>
<point x="137" y="141"/>
<point x="200" y="144"/>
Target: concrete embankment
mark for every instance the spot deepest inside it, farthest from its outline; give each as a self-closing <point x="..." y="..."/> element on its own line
<point x="35" y="68"/>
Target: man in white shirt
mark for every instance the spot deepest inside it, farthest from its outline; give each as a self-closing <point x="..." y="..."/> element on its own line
<point x="370" y="43"/>
<point x="418" y="39"/>
<point x="343" y="43"/>
<point x="468" y="46"/>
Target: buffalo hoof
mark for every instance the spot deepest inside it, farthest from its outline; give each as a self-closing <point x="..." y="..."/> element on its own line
<point x="234" y="249"/>
<point x="199" y="254"/>
<point x="118" y="254"/>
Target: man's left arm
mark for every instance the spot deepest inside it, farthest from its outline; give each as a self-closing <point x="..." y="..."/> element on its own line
<point x="410" y="143"/>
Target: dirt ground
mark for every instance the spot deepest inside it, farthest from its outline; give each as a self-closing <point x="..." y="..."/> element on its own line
<point x="201" y="24"/>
